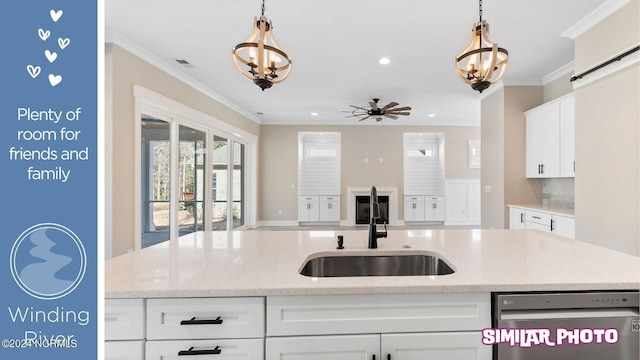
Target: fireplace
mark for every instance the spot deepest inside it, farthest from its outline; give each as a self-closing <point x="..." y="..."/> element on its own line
<point x="363" y="214"/>
<point x="385" y="193"/>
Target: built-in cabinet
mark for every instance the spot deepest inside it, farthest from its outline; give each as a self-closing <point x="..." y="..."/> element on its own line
<point x="550" y="139"/>
<point x="124" y="329"/>
<point x="404" y="327"/>
<point x="462" y="202"/>
<point x="424" y="208"/>
<point x="319" y="208"/>
<point x="525" y="218"/>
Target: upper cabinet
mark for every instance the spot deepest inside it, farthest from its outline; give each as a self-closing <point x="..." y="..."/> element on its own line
<point x="551" y="139"/>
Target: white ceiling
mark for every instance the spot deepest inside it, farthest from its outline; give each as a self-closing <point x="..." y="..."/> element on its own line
<point x="335" y="46"/>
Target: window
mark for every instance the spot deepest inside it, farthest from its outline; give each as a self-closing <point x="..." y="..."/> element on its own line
<point x="424" y="163"/>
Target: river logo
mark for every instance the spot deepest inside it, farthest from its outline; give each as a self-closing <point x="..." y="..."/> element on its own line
<point x="48" y="261"/>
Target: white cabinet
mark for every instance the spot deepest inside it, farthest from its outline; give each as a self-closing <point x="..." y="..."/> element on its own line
<point x="548" y="221"/>
<point x="516" y="218"/>
<point x="424" y="208"/>
<point x="308" y="208"/>
<point x="318" y="208"/>
<point x="225" y="327"/>
<point x="452" y="345"/>
<point x="329" y="208"/>
<point x="563" y="226"/>
<point x="406" y="326"/>
<point x="124" y="329"/>
<point x="434" y="208"/>
<point x="462" y="202"/>
<point x="414" y="208"/>
<point x="549" y="135"/>
<point x="349" y="347"/>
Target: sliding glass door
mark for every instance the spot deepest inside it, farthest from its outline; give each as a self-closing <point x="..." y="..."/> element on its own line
<point x="177" y="197"/>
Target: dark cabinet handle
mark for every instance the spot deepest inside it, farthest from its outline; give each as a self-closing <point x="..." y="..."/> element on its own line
<point x="215" y="351"/>
<point x="542" y="169"/>
<point x="552" y="221"/>
<point x="388" y="356"/>
<point x="521" y="217"/>
<point x="538" y="169"/>
<point x="374" y="357"/>
<point x="193" y="321"/>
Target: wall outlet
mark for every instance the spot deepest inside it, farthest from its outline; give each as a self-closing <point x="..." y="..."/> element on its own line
<point x="487" y="188"/>
<point x="293" y="186"/>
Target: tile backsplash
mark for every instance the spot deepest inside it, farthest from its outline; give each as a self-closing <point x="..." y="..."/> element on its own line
<point x="558" y="192"/>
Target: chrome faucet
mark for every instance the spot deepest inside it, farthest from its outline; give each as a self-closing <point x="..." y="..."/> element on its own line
<point x="374" y="212"/>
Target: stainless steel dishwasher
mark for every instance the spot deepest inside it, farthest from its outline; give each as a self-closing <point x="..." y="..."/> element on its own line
<point x="568" y="326"/>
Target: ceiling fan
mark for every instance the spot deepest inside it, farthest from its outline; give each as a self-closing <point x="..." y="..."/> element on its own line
<point x="389" y="111"/>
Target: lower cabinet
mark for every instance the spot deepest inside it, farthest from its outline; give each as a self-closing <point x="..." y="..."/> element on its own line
<point x="206" y="349"/>
<point x="525" y="218"/>
<point x="350" y="347"/>
<point x="516" y="218"/>
<point x="124" y="350"/>
<point x="452" y="345"/>
<point x="406" y="326"/>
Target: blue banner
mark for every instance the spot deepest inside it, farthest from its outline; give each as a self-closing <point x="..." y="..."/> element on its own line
<point x="49" y="180"/>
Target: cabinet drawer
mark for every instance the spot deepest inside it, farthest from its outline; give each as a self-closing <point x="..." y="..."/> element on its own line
<point x="308" y="198"/>
<point x="205" y="318"/>
<point x="434" y="198"/>
<point x="538" y="217"/>
<point x="124" y="350"/>
<point x="358" y="314"/>
<point x="123" y="319"/>
<point x="330" y="198"/>
<point x="356" y="347"/>
<point x="207" y="349"/>
<point x="413" y="198"/>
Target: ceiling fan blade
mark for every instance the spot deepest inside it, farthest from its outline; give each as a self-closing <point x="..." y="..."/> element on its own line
<point x="394" y="117"/>
<point x="400" y="108"/>
<point x="365" y="118"/>
<point x="401" y="113"/>
<point x="358" y="107"/>
<point x="378" y="119"/>
<point x="390" y="105"/>
<point x="374" y="106"/>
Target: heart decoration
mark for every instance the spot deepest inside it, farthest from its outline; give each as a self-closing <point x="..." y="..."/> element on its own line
<point x="55" y="15"/>
<point x="44" y="34"/>
<point x="55" y="79"/>
<point x="51" y="56"/>
<point x="34" y="71"/>
<point x="63" y="43"/>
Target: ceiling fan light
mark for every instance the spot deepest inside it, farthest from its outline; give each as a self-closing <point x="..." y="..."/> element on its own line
<point x="260" y="58"/>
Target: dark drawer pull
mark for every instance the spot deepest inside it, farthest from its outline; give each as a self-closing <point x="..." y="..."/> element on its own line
<point x="193" y="321"/>
<point x="536" y="217"/>
<point x="215" y="351"/>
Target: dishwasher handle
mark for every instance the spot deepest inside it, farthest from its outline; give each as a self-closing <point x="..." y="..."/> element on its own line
<point x="568" y="314"/>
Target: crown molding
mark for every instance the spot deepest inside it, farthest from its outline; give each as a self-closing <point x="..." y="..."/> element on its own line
<point x="593" y="18"/>
<point x="139" y="51"/>
<point x="558" y="73"/>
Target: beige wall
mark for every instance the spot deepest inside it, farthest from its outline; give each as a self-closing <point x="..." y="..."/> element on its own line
<point x="123" y="71"/>
<point x="279" y="161"/>
<point x="504" y="153"/>
<point x="559" y="87"/>
<point x="607" y="181"/>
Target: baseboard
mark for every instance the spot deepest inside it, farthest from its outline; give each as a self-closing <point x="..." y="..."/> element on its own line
<point x="277" y="223"/>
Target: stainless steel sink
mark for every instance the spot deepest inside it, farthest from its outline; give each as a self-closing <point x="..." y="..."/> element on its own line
<point x="376" y="265"/>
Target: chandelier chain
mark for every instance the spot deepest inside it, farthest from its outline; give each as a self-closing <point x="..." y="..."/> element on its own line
<point x="262" y="7"/>
<point x="480" y="10"/>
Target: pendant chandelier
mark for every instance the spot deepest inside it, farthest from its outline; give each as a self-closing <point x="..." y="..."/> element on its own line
<point x="482" y="63"/>
<point x="260" y="56"/>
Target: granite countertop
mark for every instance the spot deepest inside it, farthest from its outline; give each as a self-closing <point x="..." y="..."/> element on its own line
<point x="546" y="208"/>
<point x="262" y="263"/>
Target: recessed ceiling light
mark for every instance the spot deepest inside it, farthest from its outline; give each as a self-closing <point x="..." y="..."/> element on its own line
<point x="384" y="60"/>
<point x="314" y="114"/>
<point x="431" y="115"/>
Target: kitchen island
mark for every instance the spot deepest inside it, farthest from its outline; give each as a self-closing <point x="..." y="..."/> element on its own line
<point x="241" y="292"/>
<point x="261" y="263"/>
